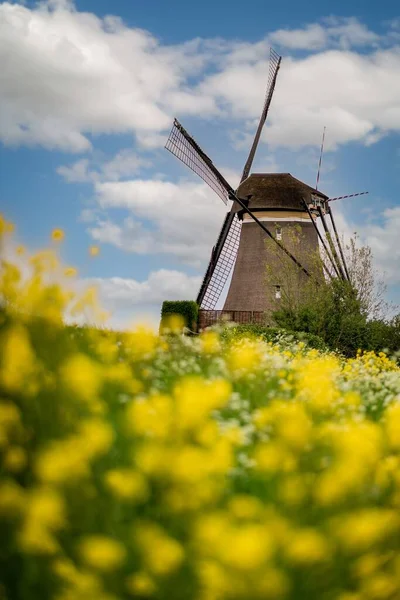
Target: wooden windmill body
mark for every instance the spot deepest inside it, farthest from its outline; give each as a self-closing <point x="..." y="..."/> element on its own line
<point x="264" y="207"/>
<point x="277" y="200"/>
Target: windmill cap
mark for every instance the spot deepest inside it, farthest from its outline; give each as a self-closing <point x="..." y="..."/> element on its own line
<point x="275" y="191"/>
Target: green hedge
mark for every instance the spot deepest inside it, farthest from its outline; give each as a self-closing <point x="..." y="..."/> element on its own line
<point x="188" y="309"/>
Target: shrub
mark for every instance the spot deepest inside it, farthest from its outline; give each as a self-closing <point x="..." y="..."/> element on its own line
<point x="186" y="309"/>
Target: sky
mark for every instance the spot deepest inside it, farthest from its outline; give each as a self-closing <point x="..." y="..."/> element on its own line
<point x="88" y="93"/>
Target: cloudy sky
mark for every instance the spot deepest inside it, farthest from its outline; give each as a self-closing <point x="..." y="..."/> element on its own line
<point x="88" y="91"/>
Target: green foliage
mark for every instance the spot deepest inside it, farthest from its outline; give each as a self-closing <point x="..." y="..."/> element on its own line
<point x="335" y="314"/>
<point x="188" y="309"/>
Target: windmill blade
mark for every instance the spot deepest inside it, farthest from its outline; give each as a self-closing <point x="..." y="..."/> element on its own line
<point x="348" y="196"/>
<point x="274" y="64"/>
<point x="331" y="244"/>
<point x="321" y="239"/>
<point x="184" y="147"/>
<point x="221" y="263"/>
<point x="215" y="255"/>
<point x="339" y="245"/>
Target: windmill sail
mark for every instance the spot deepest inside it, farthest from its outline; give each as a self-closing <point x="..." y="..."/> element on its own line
<point x="274" y="64"/>
<point x="183" y="146"/>
<point x="348" y="196"/>
<point x="221" y="263"/>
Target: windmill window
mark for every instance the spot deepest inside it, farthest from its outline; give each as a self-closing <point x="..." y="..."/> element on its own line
<point x="317" y="201"/>
<point x="278" y="292"/>
<point x="278" y="232"/>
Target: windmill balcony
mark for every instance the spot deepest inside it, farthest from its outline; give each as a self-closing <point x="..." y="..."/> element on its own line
<point x="207" y="318"/>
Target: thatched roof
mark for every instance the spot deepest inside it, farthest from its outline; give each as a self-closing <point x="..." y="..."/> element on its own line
<point x="275" y="191"/>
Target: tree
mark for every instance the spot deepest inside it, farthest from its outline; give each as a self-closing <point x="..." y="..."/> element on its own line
<point x="346" y="315"/>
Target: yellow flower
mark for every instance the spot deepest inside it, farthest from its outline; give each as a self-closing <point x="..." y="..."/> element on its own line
<point x="209" y="342"/>
<point x="162" y="554"/>
<point x="82" y="376"/>
<point x="244" y="357"/>
<point x="393" y="426"/>
<point x="12" y="498"/>
<point x="307" y="546"/>
<point x="5" y="226"/>
<point x="18" y="360"/>
<point x="57" y="235"/>
<point x="363" y="529"/>
<point x="70" y="272"/>
<point x="141" y="342"/>
<point x="95" y="437"/>
<point x="9" y="421"/>
<point x="44" y="516"/>
<point x="102" y="553"/>
<point x="94" y="250"/>
<point x="196" y="398"/>
<point x="151" y="416"/>
<point x="61" y="461"/>
<point x="140" y="584"/>
<point x="246" y="548"/>
<point x="126" y="484"/>
<point x="245" y="507"/>
<point x="172" y="323"/>
<point x="15" y="459"/>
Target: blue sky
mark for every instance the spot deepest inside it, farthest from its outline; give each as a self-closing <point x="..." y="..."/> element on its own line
<point x="87" y="101"/>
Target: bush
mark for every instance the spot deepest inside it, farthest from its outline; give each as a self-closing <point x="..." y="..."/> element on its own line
<point x="187" y="309"/>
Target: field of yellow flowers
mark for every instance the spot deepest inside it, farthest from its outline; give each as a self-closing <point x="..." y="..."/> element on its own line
<point x="139" y="466"/>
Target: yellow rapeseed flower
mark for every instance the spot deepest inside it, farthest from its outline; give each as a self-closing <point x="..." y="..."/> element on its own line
<point x="18" y="362"/>
<point x="102" y="553"/>
<point x="306" y="547"/>
<point x="126" y="484"/>
<point x="140" y="584"/>
<point x="94" y="250"/>
<point x="245" y="548"/>
<point x="70" y="272"/>
<point x="361" y="530"/>
<point x="44" y="517"/>
<point x="57" y="235"/>
<point x="15" y="459"/>
<point x="162" y="554"/>
<point x="12" y="498"/>
<point x="209" y="342"/>
<point x="392" y="426"/>
<point x="5" y="226"/>
<point x="82" y="376"/>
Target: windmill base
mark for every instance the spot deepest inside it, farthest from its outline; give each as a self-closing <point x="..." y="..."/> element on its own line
<point x="207" y="318"/>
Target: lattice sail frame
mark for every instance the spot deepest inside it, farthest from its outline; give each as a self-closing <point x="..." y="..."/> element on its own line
<point x="181" y="144"/>
<point x="274" y="64"/>
<point x="223" y="267"/>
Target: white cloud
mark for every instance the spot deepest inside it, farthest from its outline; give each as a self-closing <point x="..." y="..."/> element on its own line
<point x="124" y="164"/>
<point x="381" y="237"/>
<point x="130" y="300"/>
<point x="311" y="37"/>
<point x="384" y="242"/>
<point x="67" y="74"/>
<point x="165" y="218"/>
<point x="334" y="32"/>
<point x="357" y="96"/>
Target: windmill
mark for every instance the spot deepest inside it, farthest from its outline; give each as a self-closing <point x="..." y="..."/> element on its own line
<point x="263" y="206"/>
